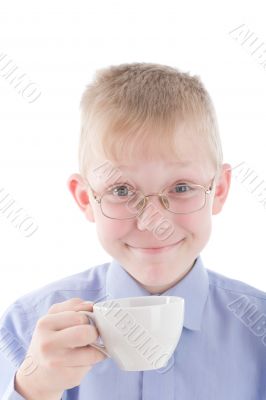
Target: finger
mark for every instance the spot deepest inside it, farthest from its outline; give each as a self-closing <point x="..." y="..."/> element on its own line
<point x="82" y="357"/>
<point x="84" y="306"/>
<point x="67" y="305"/>
<point x="61" y="320"/>
<point x="76" y="336"/>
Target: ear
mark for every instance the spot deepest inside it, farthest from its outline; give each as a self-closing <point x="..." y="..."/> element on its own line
<point x="79" y="190"/>
<point x="222" y="188"/>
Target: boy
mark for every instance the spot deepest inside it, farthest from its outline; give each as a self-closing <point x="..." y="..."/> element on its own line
<point x="151" y="177"/>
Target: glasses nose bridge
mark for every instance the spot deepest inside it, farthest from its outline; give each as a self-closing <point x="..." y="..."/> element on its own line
<point x="159" y="195"/>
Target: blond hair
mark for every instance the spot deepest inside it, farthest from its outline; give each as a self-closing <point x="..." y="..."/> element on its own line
<point x="137" y="110"/>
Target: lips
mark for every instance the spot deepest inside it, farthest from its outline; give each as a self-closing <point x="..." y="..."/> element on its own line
<point x="154" y="251"/>
<point x="157" y="248"/>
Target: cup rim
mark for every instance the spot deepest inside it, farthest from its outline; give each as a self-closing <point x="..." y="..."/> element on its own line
<point x="168" y="300"/>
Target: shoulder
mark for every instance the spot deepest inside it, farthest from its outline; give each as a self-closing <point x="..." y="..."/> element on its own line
<point x="245" y="302"/>
<point x="229" y="286"/>
<point x="88" y="285"/>
<point x="242" y="310"/>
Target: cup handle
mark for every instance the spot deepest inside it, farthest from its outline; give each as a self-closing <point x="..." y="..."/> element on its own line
<point x="91" y="320"/>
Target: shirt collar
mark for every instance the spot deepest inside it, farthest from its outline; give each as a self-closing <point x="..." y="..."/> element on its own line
<point x="193" y="288"/>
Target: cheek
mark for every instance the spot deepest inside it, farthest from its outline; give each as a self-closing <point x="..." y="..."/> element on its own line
<point x="195" y="223"/>
<point x="111" y="229"/>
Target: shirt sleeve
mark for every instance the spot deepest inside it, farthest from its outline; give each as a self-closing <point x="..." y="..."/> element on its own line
<point x="10" y="392"/>
<point x="16" y="327"/>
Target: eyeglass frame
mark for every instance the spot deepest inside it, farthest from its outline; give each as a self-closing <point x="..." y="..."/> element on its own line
<point x="207" y="190"/>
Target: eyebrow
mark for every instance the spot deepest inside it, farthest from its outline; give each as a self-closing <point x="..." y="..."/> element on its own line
<point x="168" y="183"/>
<point x="177" y="163"/>
<point x="180" y="162"/>
<point x="183" y="174"/>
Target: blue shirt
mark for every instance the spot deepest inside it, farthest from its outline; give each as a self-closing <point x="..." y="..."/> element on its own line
<point x="221" y="354"/>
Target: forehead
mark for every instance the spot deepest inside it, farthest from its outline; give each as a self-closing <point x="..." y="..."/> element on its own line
<point x="187" y="157"/>
<point x="150" y="173"/>
<point x="163" y="169"/>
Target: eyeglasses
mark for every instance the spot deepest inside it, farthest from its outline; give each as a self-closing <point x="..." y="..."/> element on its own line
<point x="123" y="201"/>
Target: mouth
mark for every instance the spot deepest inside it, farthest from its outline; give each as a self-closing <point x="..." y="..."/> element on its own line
<point x="155" y="250"/>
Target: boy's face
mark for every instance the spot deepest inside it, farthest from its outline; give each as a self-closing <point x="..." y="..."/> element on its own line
<point x="154" y="263"/>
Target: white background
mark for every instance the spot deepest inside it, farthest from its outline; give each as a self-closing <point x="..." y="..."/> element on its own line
<point x="59" y="44"/>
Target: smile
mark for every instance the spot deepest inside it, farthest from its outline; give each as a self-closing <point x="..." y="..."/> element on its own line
<point x="155" y="250"/>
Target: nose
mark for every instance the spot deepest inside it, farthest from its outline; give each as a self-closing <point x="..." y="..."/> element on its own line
<point x="151" y="214"/>
<point x="141" y="225"/>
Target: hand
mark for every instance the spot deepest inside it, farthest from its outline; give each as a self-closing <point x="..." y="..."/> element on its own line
<point x="59" y="352"/>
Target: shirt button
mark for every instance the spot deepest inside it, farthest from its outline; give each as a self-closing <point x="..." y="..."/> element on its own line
<point x="168" y="366"/>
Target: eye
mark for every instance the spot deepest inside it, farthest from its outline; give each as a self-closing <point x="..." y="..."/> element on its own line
<point x="180" y="188"/>
<point x="121" y="190"/>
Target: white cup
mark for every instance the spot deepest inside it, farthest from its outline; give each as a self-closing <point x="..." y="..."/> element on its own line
<point x="139" y="333"/>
